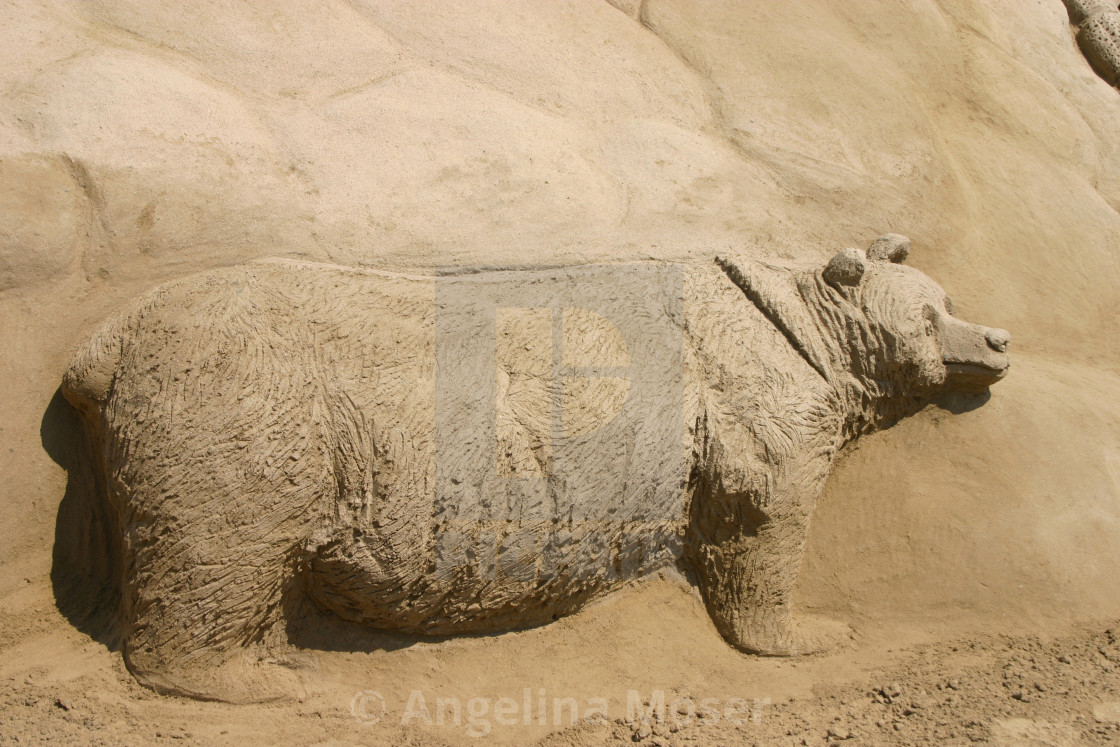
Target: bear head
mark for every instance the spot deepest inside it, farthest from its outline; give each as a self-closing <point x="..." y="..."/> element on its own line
<point x="910" y="342"/>
<point x="883" y="334"/>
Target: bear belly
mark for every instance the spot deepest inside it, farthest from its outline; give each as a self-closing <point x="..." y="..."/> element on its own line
<point x="485" y="576"/>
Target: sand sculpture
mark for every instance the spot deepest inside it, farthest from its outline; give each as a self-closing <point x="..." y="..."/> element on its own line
<point x="488" y="451"/>
<point x="1098" y="34"/>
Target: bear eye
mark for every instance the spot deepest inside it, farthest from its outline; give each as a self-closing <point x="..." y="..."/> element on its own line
<point x="929" y="320"/>
<point x="950" y="307"/>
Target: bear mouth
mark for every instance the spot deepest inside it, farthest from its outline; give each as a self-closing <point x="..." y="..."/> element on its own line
<point x="973" y="375"/>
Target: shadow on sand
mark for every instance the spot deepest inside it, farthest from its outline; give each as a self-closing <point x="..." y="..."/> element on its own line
<point x="85" y="563"/>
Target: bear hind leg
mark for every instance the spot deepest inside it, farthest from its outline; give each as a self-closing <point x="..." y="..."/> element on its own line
<point x="203" y="629"/>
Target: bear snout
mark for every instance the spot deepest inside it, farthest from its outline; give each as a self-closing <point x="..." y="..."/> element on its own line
<point x="974" y="356"/>
<point x="998" y="339"/>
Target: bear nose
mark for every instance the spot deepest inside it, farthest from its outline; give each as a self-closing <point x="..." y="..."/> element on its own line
<point x="998" y="339"/>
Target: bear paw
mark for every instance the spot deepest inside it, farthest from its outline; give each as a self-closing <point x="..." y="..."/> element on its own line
<point x="812" y="635"/>
<point x="793" y="636"/>
<point x="247" y="677"/>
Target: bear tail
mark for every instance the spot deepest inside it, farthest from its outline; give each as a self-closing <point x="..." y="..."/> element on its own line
<point x="89" y="377"/>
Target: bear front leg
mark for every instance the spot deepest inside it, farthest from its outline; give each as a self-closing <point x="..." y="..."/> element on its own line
<point x="748" y="548"/>
<point x="749" y="592"/>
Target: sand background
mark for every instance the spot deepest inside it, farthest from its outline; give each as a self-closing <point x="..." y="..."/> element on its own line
<point x="143" y="141"/>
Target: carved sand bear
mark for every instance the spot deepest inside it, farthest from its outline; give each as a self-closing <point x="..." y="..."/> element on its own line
<point x="286" y="430"/>
<point x="1098" y="35"/>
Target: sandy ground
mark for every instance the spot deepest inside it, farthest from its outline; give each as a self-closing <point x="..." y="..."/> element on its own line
<point x="969" y="544"/>
<point x="615" y="673"/>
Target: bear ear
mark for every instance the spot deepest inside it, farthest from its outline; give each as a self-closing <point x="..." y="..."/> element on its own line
<point x="846" y="268"/>
<point x="889" y="247"/>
